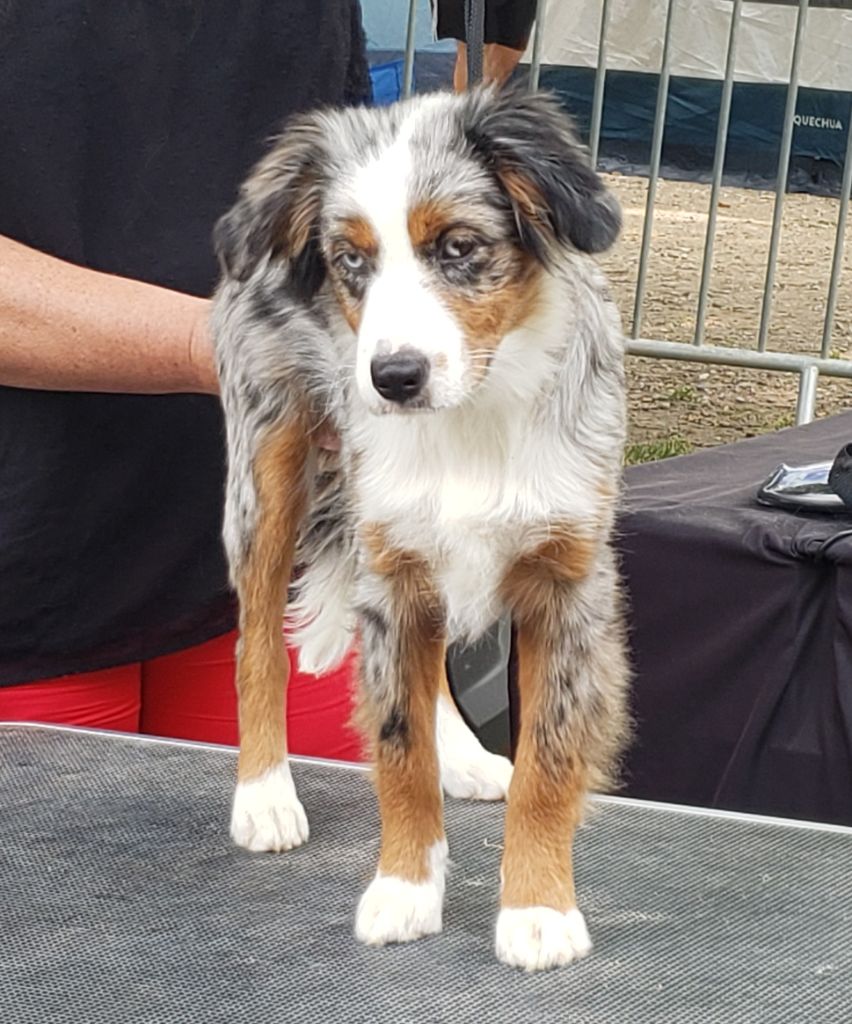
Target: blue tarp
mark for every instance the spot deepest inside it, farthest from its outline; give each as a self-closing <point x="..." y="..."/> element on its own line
<point x="754" y="134"/>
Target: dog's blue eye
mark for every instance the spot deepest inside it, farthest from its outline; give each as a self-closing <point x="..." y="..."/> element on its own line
<point x="456" y="248"/>
<point x="351" y="260"/>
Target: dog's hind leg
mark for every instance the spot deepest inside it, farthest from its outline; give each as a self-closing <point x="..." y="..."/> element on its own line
<point x="321" y="619"/>
<point x="402" y="662"/>
<point x="468" y="770"/>
<point x="572" y="680"/>
<point x="267" y="814"/>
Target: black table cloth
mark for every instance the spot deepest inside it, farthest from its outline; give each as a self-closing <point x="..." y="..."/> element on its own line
<point x="741" y="632"/>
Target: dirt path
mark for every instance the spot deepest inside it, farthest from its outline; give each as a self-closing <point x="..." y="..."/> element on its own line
<point x="678" y="406"/>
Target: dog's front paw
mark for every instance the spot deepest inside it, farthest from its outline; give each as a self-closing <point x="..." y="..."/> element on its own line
<point x="267" y="815"/>
<point x="468" y="770"/>
<point x="395" y="910"/>
<point x="535" y="938"/>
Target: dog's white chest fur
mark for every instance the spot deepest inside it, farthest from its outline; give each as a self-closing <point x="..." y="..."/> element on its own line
<point x="469" y="490"/>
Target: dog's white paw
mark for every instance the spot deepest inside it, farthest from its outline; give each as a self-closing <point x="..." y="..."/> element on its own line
<point x="535" y="938"/>
<point x="395" y="910"/>
<point x="468" y="770"/>
<point x="267" y="815"/>
<point x="485" y="777"/>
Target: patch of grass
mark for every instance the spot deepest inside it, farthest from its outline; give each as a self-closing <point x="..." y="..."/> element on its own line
<point x="683" y="393"/>
<point x="787" y="420"/>
<point x="653" y="451"/>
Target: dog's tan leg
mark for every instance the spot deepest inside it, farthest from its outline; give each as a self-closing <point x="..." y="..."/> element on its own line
<point x="267" y="814"/>
<point x="572" y="676"/>
<point x="468" y="770"/>
<point x="402" y="664"/>
<point x="539" y="923"/>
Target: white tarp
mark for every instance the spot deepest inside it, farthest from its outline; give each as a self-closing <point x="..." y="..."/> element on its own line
<point x="700" y="37"/>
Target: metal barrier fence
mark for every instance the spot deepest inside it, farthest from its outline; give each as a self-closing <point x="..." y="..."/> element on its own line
<point x="809" y="367"/>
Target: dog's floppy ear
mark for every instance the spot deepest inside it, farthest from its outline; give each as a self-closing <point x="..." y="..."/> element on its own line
<point x="278" y="210"/>
<point x="528" y="142"/>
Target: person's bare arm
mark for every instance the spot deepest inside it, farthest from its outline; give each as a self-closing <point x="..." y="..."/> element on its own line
<point x="66" y="328"/>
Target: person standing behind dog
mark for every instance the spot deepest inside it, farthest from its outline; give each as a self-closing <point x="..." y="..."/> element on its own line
<point x="125" y="130"/>
<point x="508" y="26"/>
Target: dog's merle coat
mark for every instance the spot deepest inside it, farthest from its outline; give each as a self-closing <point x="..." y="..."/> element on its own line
<point x="451" y="234"/>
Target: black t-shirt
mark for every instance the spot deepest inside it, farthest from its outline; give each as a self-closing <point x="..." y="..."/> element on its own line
<point x="125" y="129"/>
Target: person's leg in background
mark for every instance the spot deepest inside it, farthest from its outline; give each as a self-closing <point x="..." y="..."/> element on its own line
<point x="191" y="695"/>
<point x="499" y="62"/>
<point x="107" y="699"/>
<point x="508" y="26"/>
<point x="460" y="68"/>
<point x="319" y="712"/>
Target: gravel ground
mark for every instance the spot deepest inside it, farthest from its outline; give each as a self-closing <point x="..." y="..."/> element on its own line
<point x="679" y="405"/>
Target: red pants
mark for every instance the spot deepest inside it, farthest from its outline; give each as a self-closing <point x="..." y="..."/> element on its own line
<point x="190" y="695"/>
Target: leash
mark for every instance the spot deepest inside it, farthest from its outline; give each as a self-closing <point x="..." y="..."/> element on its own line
<point x="474" y="24"/>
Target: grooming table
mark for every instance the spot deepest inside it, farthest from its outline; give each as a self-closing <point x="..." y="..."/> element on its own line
<point x="123" y="900"/>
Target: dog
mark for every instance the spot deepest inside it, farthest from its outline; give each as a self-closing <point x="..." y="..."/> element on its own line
<point x="420" y="277"/>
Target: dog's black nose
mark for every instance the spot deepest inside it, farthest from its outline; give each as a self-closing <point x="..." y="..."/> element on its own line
<point x="399" y="377"/>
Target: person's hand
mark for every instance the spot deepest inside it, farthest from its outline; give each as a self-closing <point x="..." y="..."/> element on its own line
<point x="65" y="327"/>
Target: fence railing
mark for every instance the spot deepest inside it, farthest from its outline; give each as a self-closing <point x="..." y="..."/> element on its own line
<point x="808" y="365"/>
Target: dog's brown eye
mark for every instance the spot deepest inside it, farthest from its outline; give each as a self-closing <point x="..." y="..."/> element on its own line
<point x="456" y="247"/>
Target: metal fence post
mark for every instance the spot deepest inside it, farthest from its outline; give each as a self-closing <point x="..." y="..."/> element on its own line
<point x="600" y="83"/>
<point x="653" y="171"/>
<point x="718" y="169"/>
<point x="781" y="177"/>
<point x="806" y="401"/>
<point x="538" y="38"/>
<point x="408" y="66"/>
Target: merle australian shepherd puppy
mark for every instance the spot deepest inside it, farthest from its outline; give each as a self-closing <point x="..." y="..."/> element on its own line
<point x="420" y="278"/>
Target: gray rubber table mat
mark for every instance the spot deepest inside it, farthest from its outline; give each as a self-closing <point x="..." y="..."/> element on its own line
<point x="123" y="900"/>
